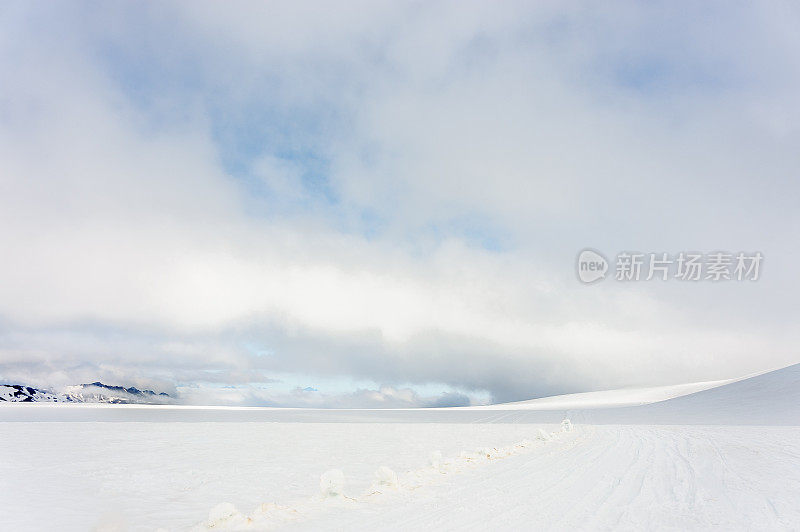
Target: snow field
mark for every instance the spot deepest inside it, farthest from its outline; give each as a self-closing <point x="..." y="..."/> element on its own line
<point x="141" y="476"/>
<point x="333" y="487"/>
<point x="630" y="477"/>
<point x="723" y="458"/>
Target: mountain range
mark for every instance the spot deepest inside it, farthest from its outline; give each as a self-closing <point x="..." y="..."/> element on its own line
<point x="95" y="392"/>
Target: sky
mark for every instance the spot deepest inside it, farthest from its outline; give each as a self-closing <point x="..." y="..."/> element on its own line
<point x="381" y="204"/>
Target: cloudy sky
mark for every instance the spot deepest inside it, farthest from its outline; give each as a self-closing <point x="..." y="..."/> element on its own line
<point x="381" y="203"/>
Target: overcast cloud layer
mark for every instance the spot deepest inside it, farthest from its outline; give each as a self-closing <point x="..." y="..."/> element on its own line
<point x="381" y="203"/>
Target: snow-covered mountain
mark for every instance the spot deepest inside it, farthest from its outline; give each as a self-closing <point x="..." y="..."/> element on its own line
<point x="15" y="393"/>
<point x="95" y="392"/>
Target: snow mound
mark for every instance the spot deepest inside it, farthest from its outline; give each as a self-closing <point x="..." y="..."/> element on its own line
<point x="493" y="453"/>
<point x="225" y="516"/>
<point x="385" y="477"/>
<point x="332" y="483"/>
<point x="385" y="485"/>
<point x="435" y="459"/>
<point x="221" y="513"/>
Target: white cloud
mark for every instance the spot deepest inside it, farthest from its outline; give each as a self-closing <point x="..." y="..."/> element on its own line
<point x="158" y="219"/>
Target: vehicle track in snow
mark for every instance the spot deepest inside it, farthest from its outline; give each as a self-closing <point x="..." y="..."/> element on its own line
<point x="612" y="477"/>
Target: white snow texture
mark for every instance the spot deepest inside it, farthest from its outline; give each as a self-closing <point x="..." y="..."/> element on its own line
<point x="725" y="457"/>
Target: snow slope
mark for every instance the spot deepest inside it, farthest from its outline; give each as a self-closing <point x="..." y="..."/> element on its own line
<point x="15" y="393"/>
<point x="726" y="457"/>
<point x="771" y="398"/>
<point x="610" y="398"/>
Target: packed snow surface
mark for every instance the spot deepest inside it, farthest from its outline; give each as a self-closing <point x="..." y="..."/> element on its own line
<point x="726" y="457"/>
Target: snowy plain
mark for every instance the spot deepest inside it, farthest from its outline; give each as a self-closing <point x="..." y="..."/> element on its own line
<point x="722" y="455"/>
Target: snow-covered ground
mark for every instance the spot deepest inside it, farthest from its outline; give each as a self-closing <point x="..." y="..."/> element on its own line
<point x="727" y="456"/>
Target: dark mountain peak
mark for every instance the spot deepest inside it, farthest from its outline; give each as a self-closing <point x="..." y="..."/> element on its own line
<point x="95" y="392"/>
<point x="17" y="393"/>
